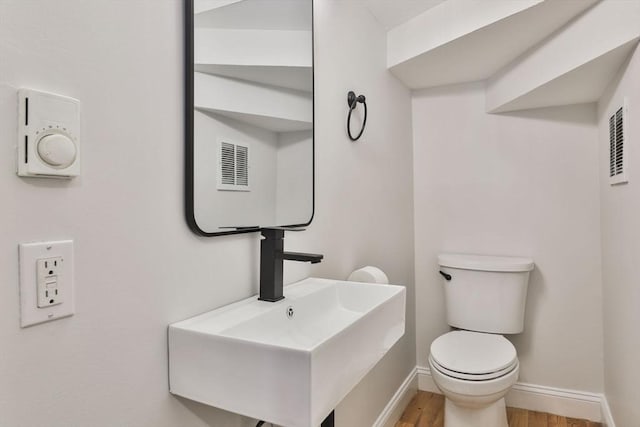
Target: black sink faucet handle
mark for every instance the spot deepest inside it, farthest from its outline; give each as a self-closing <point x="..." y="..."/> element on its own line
<point x="272" y="255"/>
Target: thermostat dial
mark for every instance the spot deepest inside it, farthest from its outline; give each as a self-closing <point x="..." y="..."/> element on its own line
<point x="57" y="150"/>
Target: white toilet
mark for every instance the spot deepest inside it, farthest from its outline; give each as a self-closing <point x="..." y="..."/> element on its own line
<point x="475" y="366"/>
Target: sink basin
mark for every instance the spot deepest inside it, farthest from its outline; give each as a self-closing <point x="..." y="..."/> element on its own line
<point x="289" y="362"/>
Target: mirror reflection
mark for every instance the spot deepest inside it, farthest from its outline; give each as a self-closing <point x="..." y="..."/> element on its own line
<point x="252" y="139"/>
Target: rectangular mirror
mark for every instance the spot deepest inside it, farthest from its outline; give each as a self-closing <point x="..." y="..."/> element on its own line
<point x="249" y="115"/>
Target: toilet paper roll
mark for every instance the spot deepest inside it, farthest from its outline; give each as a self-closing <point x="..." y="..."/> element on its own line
<point x="369" y="274"/>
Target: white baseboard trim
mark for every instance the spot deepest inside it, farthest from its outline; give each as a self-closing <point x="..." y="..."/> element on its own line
<point x="607" y="417"/>
<point x="425" y="380"/>
<point x="568" y="403"/>
<point x="400" y="400"/>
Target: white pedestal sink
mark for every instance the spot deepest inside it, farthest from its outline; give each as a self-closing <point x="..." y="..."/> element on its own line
<point x="289" y="362"/>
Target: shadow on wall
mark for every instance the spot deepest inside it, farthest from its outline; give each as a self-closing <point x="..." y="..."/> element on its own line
<point x="215" y="417"/>
<point x="563" y="114"/>
<point x="249" y="130"/>
<point x="535" y="299"/>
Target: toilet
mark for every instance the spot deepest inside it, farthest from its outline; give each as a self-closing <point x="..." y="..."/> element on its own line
<point x="474" y="365"/>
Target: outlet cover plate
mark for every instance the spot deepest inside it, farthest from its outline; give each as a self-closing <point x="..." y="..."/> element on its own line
<point x="29" y="253"/>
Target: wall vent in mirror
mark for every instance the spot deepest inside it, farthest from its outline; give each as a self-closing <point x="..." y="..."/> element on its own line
<point x="233" y="161"/>
<point x="617" y="151"/>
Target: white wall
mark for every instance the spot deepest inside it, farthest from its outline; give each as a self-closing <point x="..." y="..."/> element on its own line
<point x="515" y="184"/>
<point x="294" y="178"/>
<point x="242" y="208"/>
<point x="364" y="195"/>
<point x="138" y="267"/>
<point x="252" y="47"/>
<point x="620" y="221"/>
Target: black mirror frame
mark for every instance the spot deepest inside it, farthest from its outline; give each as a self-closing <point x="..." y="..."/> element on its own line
<point x="189" y="131"/>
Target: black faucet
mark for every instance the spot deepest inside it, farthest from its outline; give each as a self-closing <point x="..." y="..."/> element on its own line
<point x="272" y="255"/>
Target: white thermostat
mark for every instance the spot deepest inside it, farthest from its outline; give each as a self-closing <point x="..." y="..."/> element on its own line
<point x="48" y="135"/>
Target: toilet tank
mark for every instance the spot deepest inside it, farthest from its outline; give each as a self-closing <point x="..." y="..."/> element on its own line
<point x="485" y="293"/>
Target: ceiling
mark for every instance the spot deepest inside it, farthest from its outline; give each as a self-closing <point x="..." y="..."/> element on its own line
<point x="391" y="13"/>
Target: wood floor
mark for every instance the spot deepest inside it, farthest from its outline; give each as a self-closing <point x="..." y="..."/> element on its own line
<point x="427" y="410"/>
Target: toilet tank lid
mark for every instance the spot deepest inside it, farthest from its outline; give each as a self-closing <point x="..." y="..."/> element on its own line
<point x="486" y="262"/>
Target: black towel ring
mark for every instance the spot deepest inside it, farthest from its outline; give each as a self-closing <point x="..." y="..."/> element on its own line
<point x="352" y="101"/>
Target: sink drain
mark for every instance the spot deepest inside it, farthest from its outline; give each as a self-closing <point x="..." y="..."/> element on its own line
<point x="290" y="312"/>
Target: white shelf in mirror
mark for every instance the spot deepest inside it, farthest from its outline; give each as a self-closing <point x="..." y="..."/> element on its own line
<point x="289" y="77"/>
<point x="269" y="107"/>
<point x="203" y="6"/>
<point x="253" y="14"/>
<point x="274" y="124"/>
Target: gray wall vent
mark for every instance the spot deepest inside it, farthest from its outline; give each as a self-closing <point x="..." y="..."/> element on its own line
<point x="618" y="146"/>
<point x="233" y="166"/>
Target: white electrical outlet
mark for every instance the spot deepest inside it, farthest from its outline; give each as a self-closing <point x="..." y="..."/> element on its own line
<point x="50" y="281"/>
<point x="46" y="281"/>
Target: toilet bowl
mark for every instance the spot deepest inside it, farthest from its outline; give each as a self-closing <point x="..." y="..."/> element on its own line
<point x="474" y="371"/>
<point x="475" y="366"/>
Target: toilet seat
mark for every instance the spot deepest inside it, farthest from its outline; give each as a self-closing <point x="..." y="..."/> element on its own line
<point x="473" y="356"/>
<point x="473" y="377"/>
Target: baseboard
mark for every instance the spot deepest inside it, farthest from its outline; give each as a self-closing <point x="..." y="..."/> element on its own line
<point x="607" y="417"/>
<point x="400" y="400"/>
<point x="568" y="403"/>
<point x="425" y="380"/>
